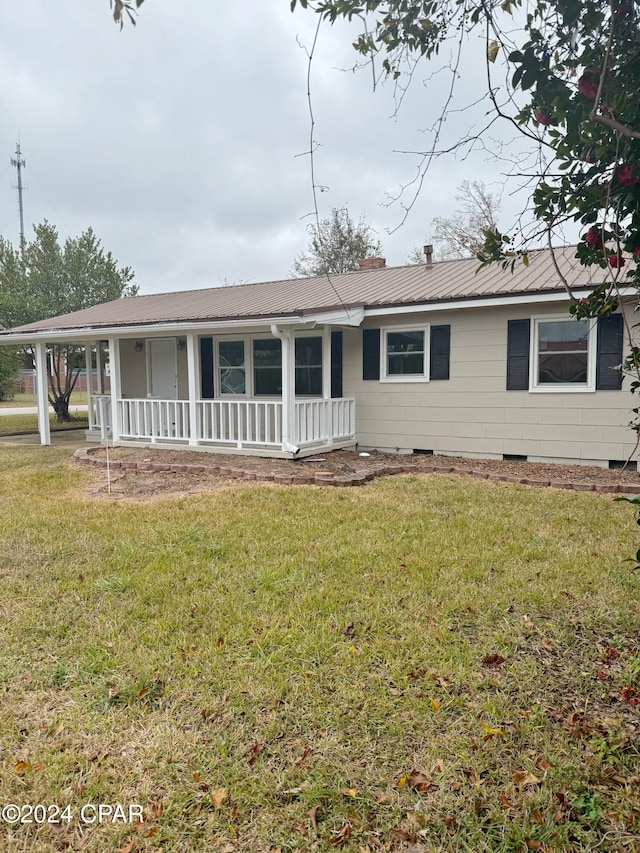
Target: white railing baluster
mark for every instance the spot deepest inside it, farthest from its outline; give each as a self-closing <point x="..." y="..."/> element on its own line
<point x="233" y="422"/>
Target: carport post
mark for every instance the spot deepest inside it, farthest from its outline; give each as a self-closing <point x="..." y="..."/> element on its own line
<point x="114" y="368"/>
<point x="42" y="392"/>
<point x="192" y="372"/>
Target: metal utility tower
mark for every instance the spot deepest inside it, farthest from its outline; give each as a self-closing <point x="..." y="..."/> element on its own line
<point x="19" y="163"/>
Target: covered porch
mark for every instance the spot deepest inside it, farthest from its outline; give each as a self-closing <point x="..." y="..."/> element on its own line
<point x="265" y="390"/>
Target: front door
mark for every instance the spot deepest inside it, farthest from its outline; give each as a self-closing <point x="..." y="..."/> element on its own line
<point x="163" y="368"/>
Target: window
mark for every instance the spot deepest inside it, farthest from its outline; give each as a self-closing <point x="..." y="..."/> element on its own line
<point x="405" y="355"/>
<point x="564" y="355"/>
<point x="309" y="366"/>
<point x="231" y="369"/>
<point x="267" y="367"/>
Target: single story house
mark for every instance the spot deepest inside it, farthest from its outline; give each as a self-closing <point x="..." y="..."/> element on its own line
<point x="433" y="358"/>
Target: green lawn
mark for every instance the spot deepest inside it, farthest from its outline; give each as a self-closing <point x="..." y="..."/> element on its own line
<point x="11" y="424"/>
<point x="422" y="662"/>
<point x="78" y="398"/>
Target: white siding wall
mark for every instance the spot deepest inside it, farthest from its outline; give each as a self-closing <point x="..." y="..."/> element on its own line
<point x="472" y="413"/>
<point x="134" y="370"/>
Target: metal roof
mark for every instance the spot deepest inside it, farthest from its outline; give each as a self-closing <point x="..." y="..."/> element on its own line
<point x="419" y="285"/>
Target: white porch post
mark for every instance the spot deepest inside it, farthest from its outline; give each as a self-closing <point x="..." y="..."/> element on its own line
<point x="326" y="385"/>
<point x="193" y="373"/>
<point x="326" y="363"/>
<point x="88" y="348"/>
<point x="289" y="437"/>
<point x="114" y="364"/>
<point x="42" y="392"/>
<point x="99" y="368"/>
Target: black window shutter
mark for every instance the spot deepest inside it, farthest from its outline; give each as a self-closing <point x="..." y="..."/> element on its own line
<point x="518" y="334"/>
<point x="610" y="334"/>
<point x="439" y="349"/>
<point x="371" y="353"/>
<point x="206" y="368"/>
<point x="336" y="364"/>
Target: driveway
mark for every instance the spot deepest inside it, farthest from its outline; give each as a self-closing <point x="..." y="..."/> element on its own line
<point x="33" y="410"/>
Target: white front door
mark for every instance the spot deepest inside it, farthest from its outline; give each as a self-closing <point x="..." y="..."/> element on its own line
<point x="163" y="368"/>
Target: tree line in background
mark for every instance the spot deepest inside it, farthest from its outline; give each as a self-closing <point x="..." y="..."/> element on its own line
<point x="337" y="243"/>
<point x="44" y="278"/>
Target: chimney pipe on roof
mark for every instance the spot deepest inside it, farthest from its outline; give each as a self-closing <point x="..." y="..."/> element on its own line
<point x="428" y="253"/>
<point x="372" y="263"/>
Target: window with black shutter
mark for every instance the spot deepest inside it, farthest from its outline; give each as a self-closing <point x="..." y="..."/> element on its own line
<point x="518" y="334"/>
<point x="610" y="342"/>
<point x="206" y="368"/>
<point x="439" y="352"/>
<point x="336" y="364"/>
<point x="371" y="353"/>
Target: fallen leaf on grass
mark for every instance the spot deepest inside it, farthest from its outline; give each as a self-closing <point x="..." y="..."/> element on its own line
<point x="547" y="644"/>
<point x="493" y="659"/>
<point x="490" y="732"/>
<point x="420" y="782"/>
<point x="630" y="694"/>
<point x="349" y="792"/>
<point x="21" y="767"/>
<point x="441" y="680"/>
<point x="342" y="835"/>
<point x="532" y="845"/>
<point x="126" y="848"/>
<point x="312" y="815"/>
<point x="218" y="797"/>
<point x="157" y="808"/>
<point x="523" y="778"/>
<point x="256" y="749"/>
<point x="291" y="793"/>
<point x="382" y="799"/>
<point x="306" y="752"/>
<point x="505" y="802"/>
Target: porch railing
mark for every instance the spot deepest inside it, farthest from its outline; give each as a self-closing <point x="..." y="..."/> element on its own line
<point x="239" y="422"/>
<point x="228" y="422"/>
<point x="154" y="419"/>
<point x="99" y="411"/>
<point x="324" y="420"/>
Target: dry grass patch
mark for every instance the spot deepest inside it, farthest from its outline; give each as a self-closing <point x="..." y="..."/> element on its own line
<point x="425" y="662"/>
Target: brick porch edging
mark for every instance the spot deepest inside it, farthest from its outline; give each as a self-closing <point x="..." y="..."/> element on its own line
<point x="84" y="455"/>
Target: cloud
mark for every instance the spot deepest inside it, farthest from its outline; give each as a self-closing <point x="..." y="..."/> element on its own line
<point x="181" y="141"/>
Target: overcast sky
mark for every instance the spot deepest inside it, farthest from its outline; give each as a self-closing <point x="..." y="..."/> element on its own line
<point x="182" y="140"/>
